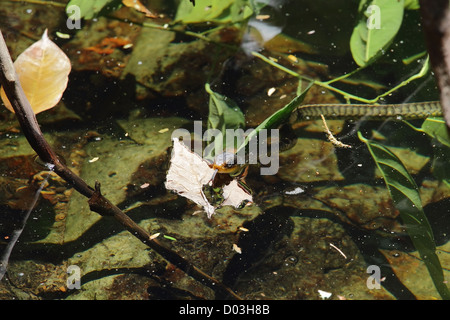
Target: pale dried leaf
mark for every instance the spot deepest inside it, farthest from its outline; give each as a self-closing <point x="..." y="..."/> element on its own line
<point x="187" y="175"/>
<point x="43" y="70"/>
<point x="235" y="195"/>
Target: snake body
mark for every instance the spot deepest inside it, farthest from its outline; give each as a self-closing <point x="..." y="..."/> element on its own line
<point x="416" y="110"/>
<point x="225" y="163"/>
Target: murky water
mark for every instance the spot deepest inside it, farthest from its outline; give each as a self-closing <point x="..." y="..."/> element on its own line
<point x="324" y="226"/>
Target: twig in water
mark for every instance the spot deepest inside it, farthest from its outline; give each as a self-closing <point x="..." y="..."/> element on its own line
<point x="17" y="232"/>
<point x="330" y="136"/>
<point x="97" y="202"/>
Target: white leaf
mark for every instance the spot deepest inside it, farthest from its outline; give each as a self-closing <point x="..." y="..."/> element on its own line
<point x="187" y="175"/>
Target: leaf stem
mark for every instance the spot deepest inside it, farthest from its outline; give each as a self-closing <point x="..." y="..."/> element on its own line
<point x="346" y="95"/>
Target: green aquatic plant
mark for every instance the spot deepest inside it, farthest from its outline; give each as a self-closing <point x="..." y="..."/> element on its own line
<point x="436" y="128"/>
<point x="367" y="45"/>
<point x="347" y="95"/>
<point x="224" y="114"/>
<point x="405" y="195"/>
<point x="279" y="117"/>
<point x="379" y="23"/>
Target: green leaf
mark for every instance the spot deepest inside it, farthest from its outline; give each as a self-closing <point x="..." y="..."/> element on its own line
<point x="436" y="128"/>
<point x="217" y="11"/>
<point x="277" y="118"/>
<point x="380" y="22"/>
<point x="224" y="114"/>
<point x="441" y="169"/>
<point x="405" y="195"/>
<point x="92" y="8"/>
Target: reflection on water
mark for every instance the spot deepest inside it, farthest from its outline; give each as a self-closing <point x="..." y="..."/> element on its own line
<point x="314" y="227"/>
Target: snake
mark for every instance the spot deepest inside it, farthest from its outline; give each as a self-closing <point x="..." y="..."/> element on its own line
<point x="226" y="162"/>
<point x="407" y="111"/>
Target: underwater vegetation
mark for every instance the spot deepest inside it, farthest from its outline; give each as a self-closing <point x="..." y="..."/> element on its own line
<point x="312" y="152"/>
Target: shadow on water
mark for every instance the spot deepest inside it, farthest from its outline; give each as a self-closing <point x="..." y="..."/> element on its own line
<point x="265" y="231"/>
<point x="104" y="228"/>
<point x="269" y="228"/>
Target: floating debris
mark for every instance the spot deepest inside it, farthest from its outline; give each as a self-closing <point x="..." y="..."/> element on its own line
<point x="338" y="250"/>
<point x="145" y="185"/>
<point x="169" y="238"/>
<point x="154" y="236"/>
<point x="297" y="190"/>
<point x="62" y="35"/>
<point x="324" y="294"/>
<point x="262" y="17"/>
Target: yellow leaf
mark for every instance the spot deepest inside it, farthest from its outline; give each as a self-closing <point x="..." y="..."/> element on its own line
<point x="43" y="70"/>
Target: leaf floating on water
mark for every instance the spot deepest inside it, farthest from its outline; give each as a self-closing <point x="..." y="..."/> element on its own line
<point x="235" y="196"/>
<point x="43" y="70"/>
<point x="187" y="175"/>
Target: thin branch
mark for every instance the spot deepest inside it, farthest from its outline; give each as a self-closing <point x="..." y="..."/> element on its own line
<point x="18" y="231"/>
<point x="331" y="137"/>
<point x="97" y="202"/>
<point x="345" y="94"/>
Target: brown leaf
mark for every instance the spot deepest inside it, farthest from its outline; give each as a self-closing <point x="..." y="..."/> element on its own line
<point x="137" y="5"/>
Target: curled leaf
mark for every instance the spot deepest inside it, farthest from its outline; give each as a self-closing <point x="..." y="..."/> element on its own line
<point x="43" y="70"/>
<point x="187" y="175"/>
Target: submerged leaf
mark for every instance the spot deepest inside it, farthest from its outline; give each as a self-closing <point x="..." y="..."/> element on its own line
<point x="43" y="70"/>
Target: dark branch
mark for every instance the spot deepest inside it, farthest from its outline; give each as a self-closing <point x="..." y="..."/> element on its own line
<point x="436" y="24"/>
<point x="97" y="202"/>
